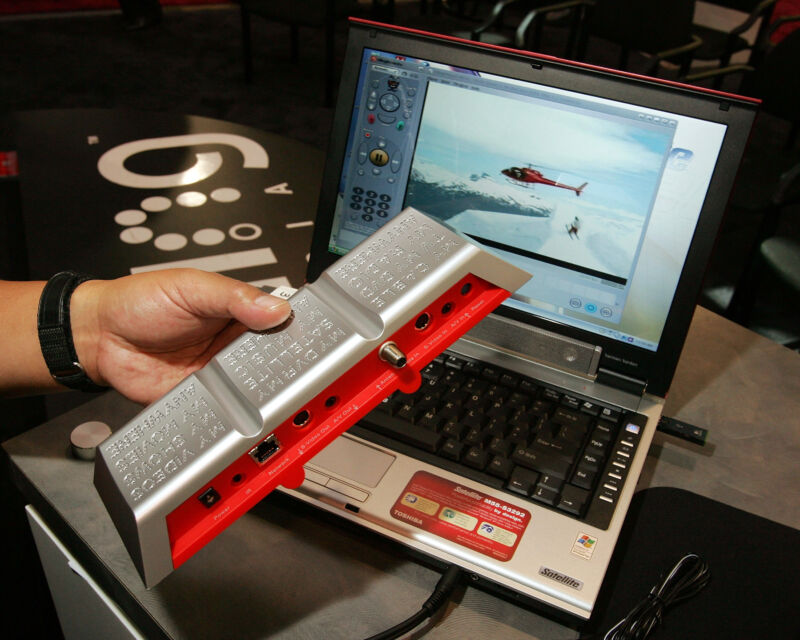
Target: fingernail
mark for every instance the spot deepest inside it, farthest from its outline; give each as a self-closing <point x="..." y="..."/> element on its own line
<point x="271" y="303"/>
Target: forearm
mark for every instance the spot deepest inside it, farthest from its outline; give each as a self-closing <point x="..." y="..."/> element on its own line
<point x="139" y="334"/>
<point x="23" y="370"/>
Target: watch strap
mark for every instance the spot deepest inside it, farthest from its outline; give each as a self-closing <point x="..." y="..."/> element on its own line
<point x="55" y="332"/>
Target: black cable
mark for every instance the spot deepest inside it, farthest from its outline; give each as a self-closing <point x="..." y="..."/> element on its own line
<point x="441" y="594"/>
<point x="685" y="580"/>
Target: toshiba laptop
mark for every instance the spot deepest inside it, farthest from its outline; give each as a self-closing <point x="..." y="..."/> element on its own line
<point x="519" y="455"/>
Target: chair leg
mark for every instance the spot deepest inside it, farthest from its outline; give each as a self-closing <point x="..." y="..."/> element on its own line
<point x="744" y="292"/>
<point x="247" y="47"/>
<point x="724" y="61"/>
<point x="576" y="24"/>
<point x="743" y="300"/>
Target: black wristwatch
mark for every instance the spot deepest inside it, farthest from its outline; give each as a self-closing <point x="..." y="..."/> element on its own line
<point x="55" y="332"/>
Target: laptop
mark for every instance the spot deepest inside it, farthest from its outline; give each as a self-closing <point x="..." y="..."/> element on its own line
<point x="518" y="457"/>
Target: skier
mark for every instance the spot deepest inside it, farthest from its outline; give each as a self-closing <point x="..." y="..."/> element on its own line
<point x="572" y="229"/>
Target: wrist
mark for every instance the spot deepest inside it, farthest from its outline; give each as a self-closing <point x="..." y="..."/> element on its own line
<point x="86" y="327"/>
<point x="56" y="331"/>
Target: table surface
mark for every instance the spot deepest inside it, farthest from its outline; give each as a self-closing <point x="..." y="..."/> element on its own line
<point x="283" y="571"/>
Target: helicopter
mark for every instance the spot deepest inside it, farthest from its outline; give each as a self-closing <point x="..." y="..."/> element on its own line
<point x="528" y="176"/>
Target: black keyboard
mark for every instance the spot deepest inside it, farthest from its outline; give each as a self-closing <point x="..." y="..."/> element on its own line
<point x="513" y="433"/>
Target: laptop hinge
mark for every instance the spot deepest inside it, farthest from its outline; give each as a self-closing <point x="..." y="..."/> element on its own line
<point x="537" y="345"/>
<point x="619" y="381"/>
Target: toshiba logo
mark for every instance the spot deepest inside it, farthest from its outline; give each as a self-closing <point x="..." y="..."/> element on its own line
<point x="560" y="577"/>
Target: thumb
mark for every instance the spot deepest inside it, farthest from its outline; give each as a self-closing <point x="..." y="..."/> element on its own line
<point x="258" y="310"/>
<point x="212" y="295"/>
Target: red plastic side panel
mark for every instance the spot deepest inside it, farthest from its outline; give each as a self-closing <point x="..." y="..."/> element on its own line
<point x="244" y="483"/>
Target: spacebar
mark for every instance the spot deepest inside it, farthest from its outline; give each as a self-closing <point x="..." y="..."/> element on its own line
<point x="403" y="431"/>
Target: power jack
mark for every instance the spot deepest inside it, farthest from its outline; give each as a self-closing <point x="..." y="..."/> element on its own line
<point x="209" y="497"/>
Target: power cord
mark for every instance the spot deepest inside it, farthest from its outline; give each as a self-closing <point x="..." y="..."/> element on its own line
<point x="441" y="594"/>
<point x="685" y="580"/>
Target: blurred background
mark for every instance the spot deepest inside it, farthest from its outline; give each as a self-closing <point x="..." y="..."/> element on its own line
<point x="190" y="57"/>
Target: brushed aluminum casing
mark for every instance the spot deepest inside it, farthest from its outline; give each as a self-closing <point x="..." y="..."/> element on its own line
<point x="150" y="466"/>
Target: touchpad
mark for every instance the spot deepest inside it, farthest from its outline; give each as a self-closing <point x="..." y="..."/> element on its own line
<point x="354" y="460"/>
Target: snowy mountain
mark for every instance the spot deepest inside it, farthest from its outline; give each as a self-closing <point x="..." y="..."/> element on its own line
<point x="443" y="194"/>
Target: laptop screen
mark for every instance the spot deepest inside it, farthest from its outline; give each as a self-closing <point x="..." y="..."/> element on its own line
<point x="603" y="187"/>
<point x="592" y="196"/>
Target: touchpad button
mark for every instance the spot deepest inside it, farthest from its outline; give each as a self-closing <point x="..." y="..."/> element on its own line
<point x="353" y="460"/>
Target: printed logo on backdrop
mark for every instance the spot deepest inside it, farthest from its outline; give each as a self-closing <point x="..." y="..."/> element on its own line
<point x="198" y="211"/>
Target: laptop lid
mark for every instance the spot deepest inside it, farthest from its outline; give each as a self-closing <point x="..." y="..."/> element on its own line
<point x="608" y="187"/>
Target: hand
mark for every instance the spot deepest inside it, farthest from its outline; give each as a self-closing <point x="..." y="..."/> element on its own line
<point x="142" y="334"/>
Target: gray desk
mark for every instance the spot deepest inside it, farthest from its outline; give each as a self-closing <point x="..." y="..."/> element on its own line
<point x="284" y="572"/>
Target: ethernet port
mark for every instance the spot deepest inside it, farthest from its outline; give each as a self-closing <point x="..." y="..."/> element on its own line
<point x="265" y="449"/>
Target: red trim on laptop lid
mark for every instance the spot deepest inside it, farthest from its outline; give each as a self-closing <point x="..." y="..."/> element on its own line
<point x="549" y="58"/>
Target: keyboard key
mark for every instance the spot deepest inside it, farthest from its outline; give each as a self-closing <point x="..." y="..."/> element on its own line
<point x="497" y="427"/>
<point x="523" y="481"/>
<point x="519" y="400"/>
<point x="405" y="432"/>
<point x="541" y="461"/>
<point x="473" y="384"/>
<point x="450" y="410"/>
<point x="473" y="418"/>
<point x="452" y="449"/>
<point x="500" y="409"/>
<point x="496" y="392"/>
<point x="565" y="416"/>
<point x="408" y="412"/>
<point x="477" y="458"/>
<point x="573" y="433"/>
<point x="500" y="447"/>
<point x="541" y="408"/>
<point x="570" y="401"/>
<point x="604" y="431"/>
<point x="453" y="429"/>
<point x="490" y="373"/>
<point x="550" y="482"/>
<point x="529" y="421"/>
<point x="583" y="478"/>
<point x="550" y="394"/>
<point x="545" y="495"/>
<point x="428" y="399"/>
<point x="561" y="448"/>
<point x="508" y="380"/>
<point x="518" y="435"/>
<point x="610" y="414"/>
<point x="472" y="368"/>
<point x="598" y="447"/>
<point x="591" y="462"/>
<point x="528" y="386"/>
<point x="430" y="420"/>
<point x="433" y="371"/>
<point x="501" y="467"/>
<point x="475" y="437"/>
<point x="591" y="408"/>
<point x="573" y="500"/>
<point x="477" y="402"/>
